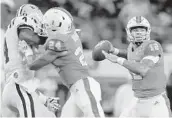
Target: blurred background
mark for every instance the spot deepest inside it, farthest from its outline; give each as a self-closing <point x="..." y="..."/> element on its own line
<point x="103" y="20"/>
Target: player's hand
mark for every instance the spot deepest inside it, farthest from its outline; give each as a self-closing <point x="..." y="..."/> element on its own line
<point x="113" y="50"/>
<point x="36" y="51"/>
<point x="111" y="57"/>
<point x="24" y="48"/>
<point x="52" y="103"/>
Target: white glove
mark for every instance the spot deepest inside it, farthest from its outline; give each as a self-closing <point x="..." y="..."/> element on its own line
<point x="24" y="48"/>
<point x="52" y="103"/>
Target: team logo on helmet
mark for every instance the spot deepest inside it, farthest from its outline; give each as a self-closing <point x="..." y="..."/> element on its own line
<point x="138" y="19"/>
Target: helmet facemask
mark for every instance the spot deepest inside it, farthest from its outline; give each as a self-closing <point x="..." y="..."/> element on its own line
<point x="34" y="13"/>
<point x="139" y="33"/>
<point x="138" y="29"/>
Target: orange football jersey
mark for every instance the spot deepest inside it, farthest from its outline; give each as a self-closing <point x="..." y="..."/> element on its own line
<point x="155" y="81"/>
<point x="72" y="66"/>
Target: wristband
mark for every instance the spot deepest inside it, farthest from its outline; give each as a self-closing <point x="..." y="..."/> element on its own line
<point x="120" y="60"/>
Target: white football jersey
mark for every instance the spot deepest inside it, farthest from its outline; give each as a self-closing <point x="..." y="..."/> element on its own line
<point x="16" y="64"/>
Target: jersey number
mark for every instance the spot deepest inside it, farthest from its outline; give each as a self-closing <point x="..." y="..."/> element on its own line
<point x="79" y="51"/>
<point x="55" y="45"/>
<point x="51" y="45"/>
<point x="154" y="47"/>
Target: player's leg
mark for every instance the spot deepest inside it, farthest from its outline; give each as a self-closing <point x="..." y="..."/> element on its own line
<point x="93" y="93"/>
<point x="40" y="109"/>
<point x="87" y="93"/>
<point x="7" y="108"/>
<point x="130" y="110"/>
<point x="27" y="104"/>
<point x="70" y="109"/>
<point x="10" y="101"/>
<point x="161" y="107"/>
<point x="30" y="105"/>
<point x="8" y="111"/>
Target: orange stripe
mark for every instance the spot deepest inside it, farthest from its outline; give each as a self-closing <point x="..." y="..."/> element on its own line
<point x="167" y="104"/>
<point x="92" y="98"/>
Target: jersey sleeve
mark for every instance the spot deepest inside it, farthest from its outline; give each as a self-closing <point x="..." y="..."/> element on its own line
<point x="153" y="51"/>
<point x="56" y="45"/>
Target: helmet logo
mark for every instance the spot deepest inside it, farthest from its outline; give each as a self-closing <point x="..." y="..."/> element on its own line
<point x="32" y="7"/>
<point x="60" y="24"/>
<point x="138" y="19"/>
<point x="53" y="22"/>
<point x="69" y="27"/>
<point x="15" y="75"/>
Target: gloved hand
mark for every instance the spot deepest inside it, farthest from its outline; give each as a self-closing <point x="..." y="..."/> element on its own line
<point x="52" y="103"/>
<point x="24" y="48"/>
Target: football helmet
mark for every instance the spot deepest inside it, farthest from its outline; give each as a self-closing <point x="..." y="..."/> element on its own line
<point x="58" y="20"/>
<point x="138" y="22"/>
<point x="33" y="12"/>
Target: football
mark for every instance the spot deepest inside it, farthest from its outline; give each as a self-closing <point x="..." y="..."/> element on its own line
<point x="97" y="51"/>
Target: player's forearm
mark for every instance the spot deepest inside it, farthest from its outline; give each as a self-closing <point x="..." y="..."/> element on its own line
<point x="9" y="111"/>
<point x="40" y="62"/>
<point x="135" y="67"/>
<point x="48" y="57"/>
<point x="30" y="59"/>
<point x="120" y="52"/>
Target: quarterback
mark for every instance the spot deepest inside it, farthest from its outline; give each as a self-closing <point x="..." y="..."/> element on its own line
<point x="144" y="59"/>
<point x="64" y="51"/>
<point x="20" y="97"/>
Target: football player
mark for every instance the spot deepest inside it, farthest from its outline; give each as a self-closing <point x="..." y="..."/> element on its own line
<point x="20" y="97"/>
<point x="64" y="51"/>
<point x="144" y="59"/>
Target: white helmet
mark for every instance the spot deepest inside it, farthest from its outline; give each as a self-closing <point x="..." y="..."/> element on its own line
<point x="135" y="22"/>
<point x="33" y="12"/>
<point x="58" y="20"/>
